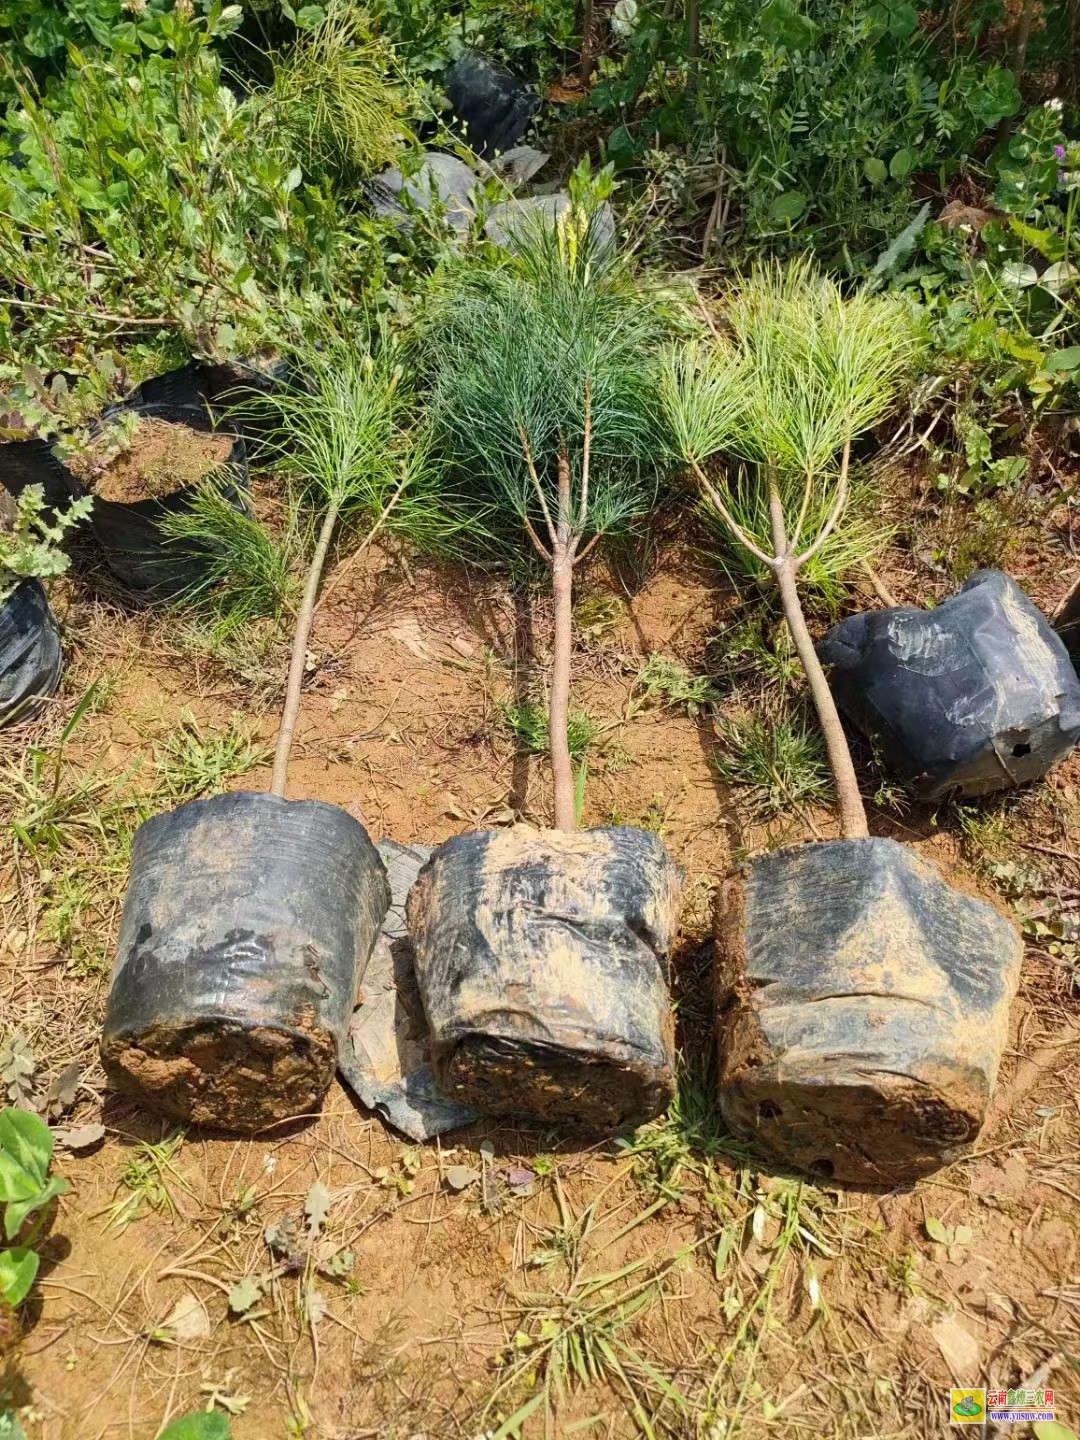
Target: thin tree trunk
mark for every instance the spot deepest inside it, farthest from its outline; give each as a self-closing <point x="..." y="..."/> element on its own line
<point x="299" y="654"/>
<point x="853" y="824"/>
<point x="1021" y="37"/>
<point x="562" y="575"/>
<point x="693" y="42"/>
<point x="588" y="40"/>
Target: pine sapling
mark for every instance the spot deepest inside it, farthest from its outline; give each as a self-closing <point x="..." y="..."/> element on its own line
<point x="802" y="373"/>
<point x="543" y="398"/>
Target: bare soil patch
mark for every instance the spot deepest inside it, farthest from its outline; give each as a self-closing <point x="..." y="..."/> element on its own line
<point x="765" y="1305"/>
<point x="163" y="457"/>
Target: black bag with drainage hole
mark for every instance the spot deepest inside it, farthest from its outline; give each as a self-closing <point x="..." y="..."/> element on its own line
<point x="971" y="697"/>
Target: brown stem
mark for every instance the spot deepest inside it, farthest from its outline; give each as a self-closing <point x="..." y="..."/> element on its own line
<point x="881" y="590"/>
<point x="853" y="824"/>
<point x="588" y="41"/>
<point x="562" y="582"/>
<point x="693" y="41"/>
<point x="384" y="515"/>
<point x="299" y="654"/>
<point x="1021" y="36"/>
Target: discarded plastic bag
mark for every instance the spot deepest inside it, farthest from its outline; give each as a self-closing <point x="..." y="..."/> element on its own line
<point x="542" y="959"/>
<point x="246" y="927"/>
<point x="863" y="1008"/>
<point x="971" y="697"/>
<point x="387" y="1059"/>
<point x="31" y="657"/>
<point x="493" y="109"/>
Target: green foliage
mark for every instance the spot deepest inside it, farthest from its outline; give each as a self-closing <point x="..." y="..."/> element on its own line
<point x="330" y="96"/>
<point x="523" y="351"/>
<point x="862" y="535"/>
<point x="528" y="723"/>
<point x="145" y="199"/>
<point x="202" y="1425"/>
<point x="194" y="760"/>
<point x="779" y="764"/>
<point x="248" y="573"/>
<point x="535" y="38"/>
<point x="663" y="679"/>
<point x="350" y="432"/>
<point x="824" y="114"/>
<point x="31" y="547"/>
<point x="26" y="1189"/>
<point x="804" y="371"/>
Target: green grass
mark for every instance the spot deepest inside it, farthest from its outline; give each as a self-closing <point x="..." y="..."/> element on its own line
<point x="248" y="572"/>
<point x="577" y="1333"/>
<point x="146" y="1177"/>
<point x="194" y="760"/>
<point x="758" y="649"/>
<point x="778" y="764"/>
<point x="527" y="722"/>
<point x="672" y="684"/>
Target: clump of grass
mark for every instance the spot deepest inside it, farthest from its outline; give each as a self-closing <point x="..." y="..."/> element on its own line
<point x="529" y="724"/>
<point x="684" y="1141"/>
<point x="759" y="651"/>
<point x="248" y="573"/>
<point x="194" y="760"/>
<point x="55" y="806"/>
<point x="576" y="1334"/>
<point x="664" y="679"/>
<point x="146" y="1177"/>
<point x="779" y="764"/>
<point x="333" y="97"/>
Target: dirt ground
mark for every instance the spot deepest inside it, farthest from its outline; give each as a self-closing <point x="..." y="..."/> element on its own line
<point x="661" y="1286"/>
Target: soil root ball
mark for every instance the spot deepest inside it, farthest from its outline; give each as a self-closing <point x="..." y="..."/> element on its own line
<point x="864" y="1008"/>
<point x="128" y="529"/>
<point x="247" y="925"/>
<point x="542" y="959"/>
<point x="974" y="696"/>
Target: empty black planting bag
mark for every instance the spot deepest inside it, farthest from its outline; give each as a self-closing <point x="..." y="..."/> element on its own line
<point x="31" y="660"/>
<point x="864" y="1007"/>
<point x="542" y="961"/>
<point x="974" y="696"/>
<point x="246" y="928"/>
<point x="493" y="110"/>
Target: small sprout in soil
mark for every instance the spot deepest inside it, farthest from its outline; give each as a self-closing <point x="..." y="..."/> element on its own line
<point x="147" y="1177"/>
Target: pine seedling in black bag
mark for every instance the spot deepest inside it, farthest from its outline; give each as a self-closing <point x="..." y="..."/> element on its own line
<point x="542" y="954"/>
<point x="249" y="918"/>
<point x="863" y="1001"/>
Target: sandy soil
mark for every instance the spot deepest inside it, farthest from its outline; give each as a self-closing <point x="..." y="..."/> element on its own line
<point x="855" y="1331"/>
